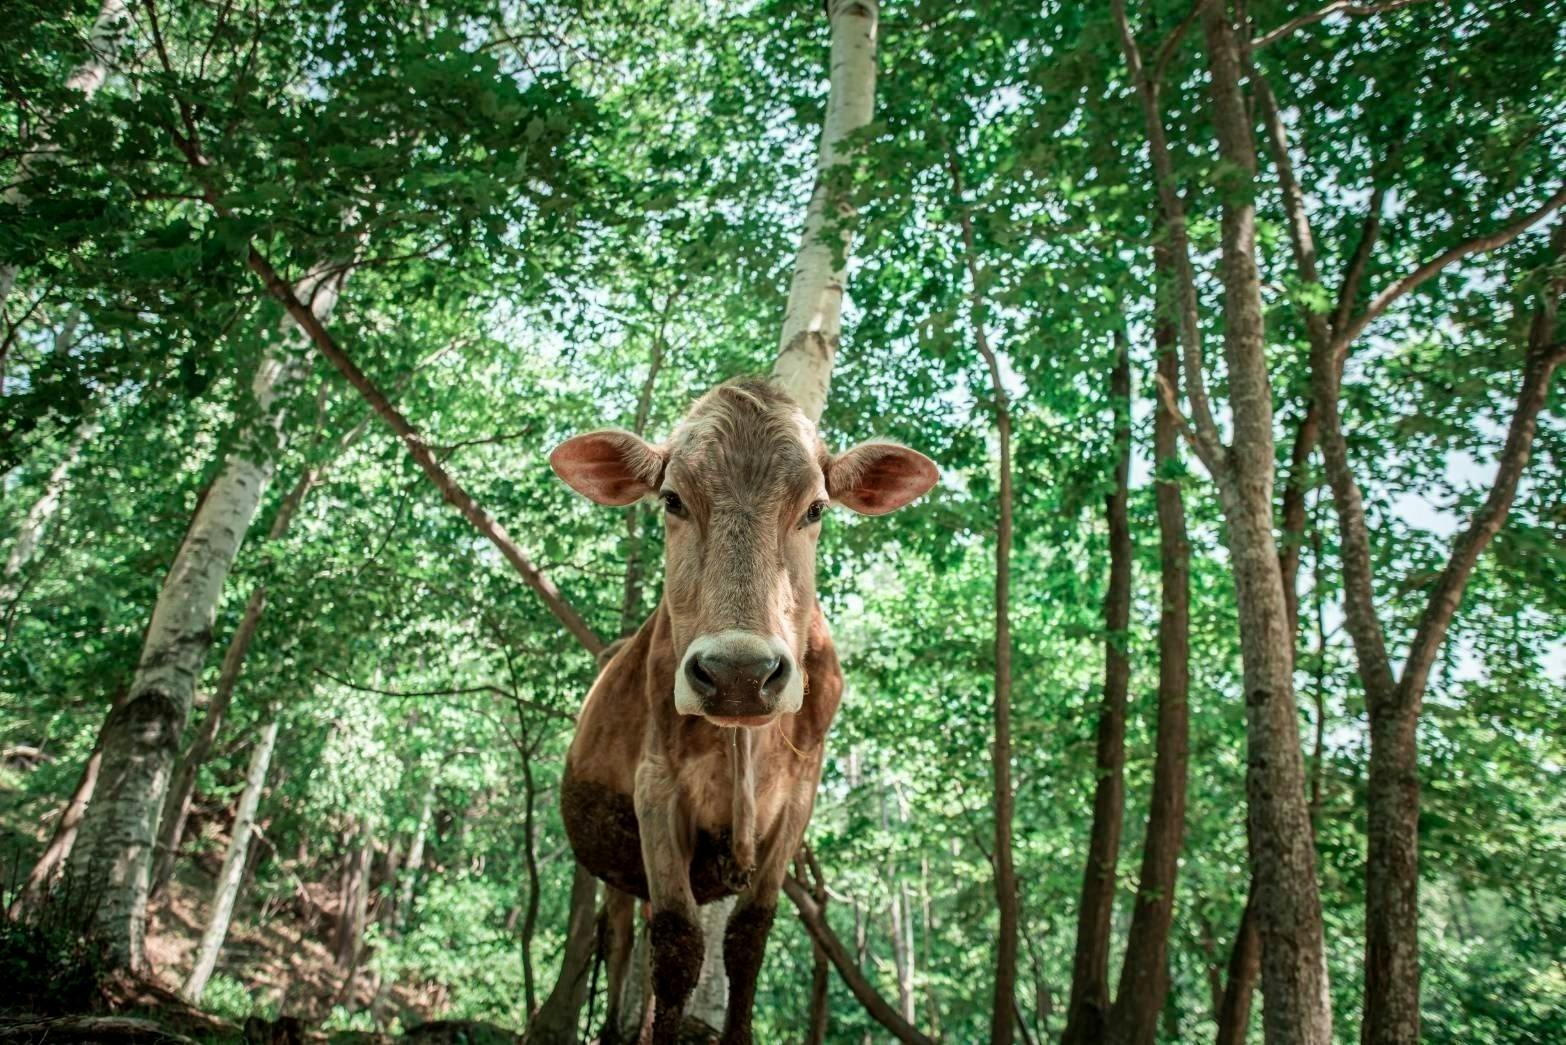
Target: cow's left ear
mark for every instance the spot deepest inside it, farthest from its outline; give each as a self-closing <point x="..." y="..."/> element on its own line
<point x="612" y="468"/>
<point x="878" y="477"/>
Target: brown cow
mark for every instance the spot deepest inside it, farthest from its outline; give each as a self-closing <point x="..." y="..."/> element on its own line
<point x="698" y="751"/>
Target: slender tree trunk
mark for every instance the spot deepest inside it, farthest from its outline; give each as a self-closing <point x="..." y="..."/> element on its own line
<point x="812" y="320"/>
<point x="556" y="1022"/>
<point x="900" y="935"/>
<point x="141" y="736"/>
<point x="534" y="888"/>
<point x="356" y="900"/>
<point x="1288" y="905"/>
<point x="1144" y="974"/>
<point x="227" y="890"/>
<point x="1087" y="1012"/>
<point x="1234" y="1012"/>
<point x="103" y="42"/>
<point x="1002" y="1010"/>
<point x="636" y="517"/>
<point x="927" y="917"/>
<point x="410" y="871"/>
<point x="819" y="1016"/>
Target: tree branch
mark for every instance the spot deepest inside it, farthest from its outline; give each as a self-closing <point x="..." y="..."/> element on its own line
<point x="863" y="990"/>
<point x="1335" y="7"/>
<point x="456" y="691"/>
<point x="1433" y="267"/>
<point x="1171" y="44"/>
<point x="1354" y="273"/>
<point x="1204" y="437"/>
<point x="1544" y="355"/>
<point x="421" y="453"/>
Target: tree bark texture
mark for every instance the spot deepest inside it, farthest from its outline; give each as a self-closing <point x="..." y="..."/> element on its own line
<point x="1294" y="972"/>
<point x="556" y="1022"/>
<point x="812" y="320"/>
<point x="1144" y="973"/>
<point x="141" y="736"/>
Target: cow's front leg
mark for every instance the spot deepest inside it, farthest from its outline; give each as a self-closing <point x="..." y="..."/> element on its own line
<point x="744" y="945"/>
<point x="745" y="939"/>
<point x="673" y="933"/>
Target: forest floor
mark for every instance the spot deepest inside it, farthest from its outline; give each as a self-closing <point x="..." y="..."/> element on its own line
<point x="278" y="959"/>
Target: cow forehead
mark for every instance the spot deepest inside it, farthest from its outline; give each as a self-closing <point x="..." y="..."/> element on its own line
<point x="746" y="442"/>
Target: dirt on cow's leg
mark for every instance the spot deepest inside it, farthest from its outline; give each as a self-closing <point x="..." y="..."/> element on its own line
<point x="676" y="966"/>
<point x="744" y="945"/>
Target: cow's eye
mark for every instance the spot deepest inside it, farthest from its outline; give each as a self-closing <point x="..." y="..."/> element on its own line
<point x="672" y="503"/>
<point x="814" y="512"/>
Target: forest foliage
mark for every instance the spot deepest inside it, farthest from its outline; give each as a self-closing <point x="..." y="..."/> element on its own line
<point x="537" y="218"/>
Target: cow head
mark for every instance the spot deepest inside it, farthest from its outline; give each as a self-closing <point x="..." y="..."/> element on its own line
<point x="743" y="483"/>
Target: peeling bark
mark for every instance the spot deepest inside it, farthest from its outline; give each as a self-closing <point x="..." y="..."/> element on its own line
<point x="176" y="807"/>
<point x="141" y="737"/>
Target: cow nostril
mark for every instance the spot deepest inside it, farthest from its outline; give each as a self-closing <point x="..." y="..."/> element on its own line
<point x="778" y="678"/>
<point x="700" y="678"/>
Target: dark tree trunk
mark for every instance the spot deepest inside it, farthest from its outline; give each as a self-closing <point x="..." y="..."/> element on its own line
<point x="1392" y="860"/>
<point x="1234" y="1011"/>
<point x="1087" y="1012"/>
<point x="1144" y="975"/>
<point x="556" y="1022"/>
<point x="355" y="902"/>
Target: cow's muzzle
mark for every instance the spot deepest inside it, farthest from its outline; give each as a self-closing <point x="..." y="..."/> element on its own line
<point x="738" y="678"/>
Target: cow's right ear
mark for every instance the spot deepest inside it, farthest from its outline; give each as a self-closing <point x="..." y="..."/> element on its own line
<point x="613" y="468"/>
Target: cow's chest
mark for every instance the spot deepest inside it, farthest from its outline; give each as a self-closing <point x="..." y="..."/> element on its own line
<point x="601" y="824"/>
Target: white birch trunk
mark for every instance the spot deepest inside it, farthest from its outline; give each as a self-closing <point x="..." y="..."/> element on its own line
<point x="812" y="321"/>
<point x="227" y="891"/>
<point x="103" y="41"/>
<point x="410" y="871"/>
<point x="710" y="1000"/>
<point x="113" y="855"/>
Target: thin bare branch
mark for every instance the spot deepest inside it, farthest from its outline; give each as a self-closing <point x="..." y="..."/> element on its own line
<point x="1335" y="7"/>
<point x="1435" y="266"/>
